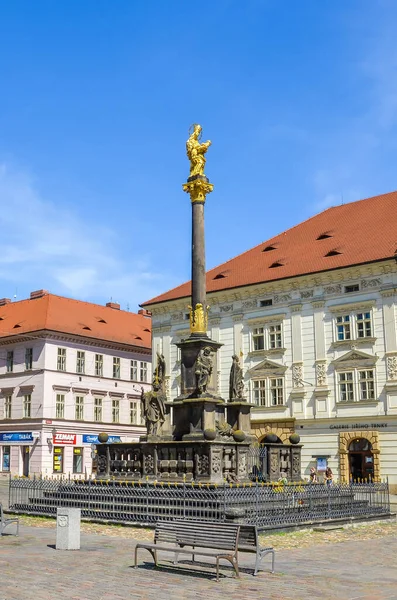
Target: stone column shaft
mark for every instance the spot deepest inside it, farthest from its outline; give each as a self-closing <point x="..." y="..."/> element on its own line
<point x="198" y="255"/>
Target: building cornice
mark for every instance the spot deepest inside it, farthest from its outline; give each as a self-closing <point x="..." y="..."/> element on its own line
<point x="330" y="280"/>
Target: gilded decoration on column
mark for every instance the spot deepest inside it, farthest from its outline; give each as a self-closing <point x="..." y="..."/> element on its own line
<point x="198" y="185"/>
<point x="198" y="319"/>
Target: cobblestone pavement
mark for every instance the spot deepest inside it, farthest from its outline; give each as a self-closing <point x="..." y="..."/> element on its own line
<point x="31" y="568"/>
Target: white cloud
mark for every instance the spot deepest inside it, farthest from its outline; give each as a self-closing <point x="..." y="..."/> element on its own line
<point x="45" y="245"/>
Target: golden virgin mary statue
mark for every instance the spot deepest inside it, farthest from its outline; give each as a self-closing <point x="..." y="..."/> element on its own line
<point x="195" y="151"/>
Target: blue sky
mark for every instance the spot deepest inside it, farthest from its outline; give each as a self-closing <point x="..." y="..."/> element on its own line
<point x="298" y="98"/>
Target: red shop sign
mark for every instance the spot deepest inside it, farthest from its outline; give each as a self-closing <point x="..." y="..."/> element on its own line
<point x="64" y="439"/>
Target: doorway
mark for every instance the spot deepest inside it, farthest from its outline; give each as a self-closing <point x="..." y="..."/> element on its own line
<point x="25" y="461"/>
<point x="361" y="460"/>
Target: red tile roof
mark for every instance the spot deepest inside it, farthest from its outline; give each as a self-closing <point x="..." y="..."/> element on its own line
<point x="64" y="315"/>
<point x="350" y="234"/>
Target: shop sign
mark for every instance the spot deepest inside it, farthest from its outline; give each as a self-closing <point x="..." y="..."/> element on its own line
<point x="359" y="426"/>
<point x="93" y="439"/>
<point x="68" y="439"/>
<point x="16" y="437"/>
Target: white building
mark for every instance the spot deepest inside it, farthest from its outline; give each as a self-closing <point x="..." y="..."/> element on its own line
<point x="68" y="371"/>
<point x="312" y="314"/>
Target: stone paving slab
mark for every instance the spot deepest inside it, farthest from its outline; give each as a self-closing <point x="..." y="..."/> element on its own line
<point x="31" y="568"/>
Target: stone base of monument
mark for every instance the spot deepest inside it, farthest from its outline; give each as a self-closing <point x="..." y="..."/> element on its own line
<point x="196" y="459"/>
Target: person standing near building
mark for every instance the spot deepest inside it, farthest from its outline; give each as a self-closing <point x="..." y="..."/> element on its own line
<point x="313" y="475"/>
<point x="328" y="476"/>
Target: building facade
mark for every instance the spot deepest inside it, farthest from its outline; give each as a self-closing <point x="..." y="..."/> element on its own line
<point x="312" y="315"/>
<point x="68" y="371"/>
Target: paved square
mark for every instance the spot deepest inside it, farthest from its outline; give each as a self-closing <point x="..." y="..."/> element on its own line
<point x="31" y="568"/>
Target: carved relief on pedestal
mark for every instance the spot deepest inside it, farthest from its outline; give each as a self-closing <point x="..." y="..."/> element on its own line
<point x="297" y="375"/>
<point x="391" y="362"/>
<point x="242" y="465"/>
<point x="321" y="374"/>
<point x="148" y="464"/>
<point x="203" y="464"/>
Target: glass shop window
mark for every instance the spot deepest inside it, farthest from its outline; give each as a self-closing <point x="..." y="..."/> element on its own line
<point x="58" y="459"/>
<point x="77" y="460"/>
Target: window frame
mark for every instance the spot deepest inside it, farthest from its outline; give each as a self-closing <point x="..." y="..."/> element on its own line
<point x="115" y="410"/>
<point x="358" y="387"/>
<point x="61" y="359"/>
<point x="8" y="406"/>
<point x="28" y="359"/>
<point x="268" y="388"/>
<point x="348" y="320"/>
<point x="79" y="408"/>
<point x="267" y="336"/>
<point x="27" y="406"/>
<point x="10" y="361"/>
<point x="98" y="365"/>
<point x="116" y="367"/>
<point x="143" y="371"/>
<point x="98" y="410"/>
<point x="78" y="455"/>
<point x="80" y="362"/>
<point x="60" y="406"/>
<point x="134" y="366"/>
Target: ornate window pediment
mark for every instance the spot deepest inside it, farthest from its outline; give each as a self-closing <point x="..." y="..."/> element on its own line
<point x="267" y="368"/>
<point x="355" y="359"/>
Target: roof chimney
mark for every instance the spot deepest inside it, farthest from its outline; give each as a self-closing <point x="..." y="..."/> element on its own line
<point x="144" y="312"/>
<point x="113" y="305"/>
<point x="38" y="294"/>
<point x="4" y="301"/>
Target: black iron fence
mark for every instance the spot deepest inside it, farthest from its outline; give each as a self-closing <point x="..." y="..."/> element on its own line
<point x="267" y="506"/>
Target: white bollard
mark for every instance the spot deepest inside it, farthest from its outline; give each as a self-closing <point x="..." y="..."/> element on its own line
<point x="68" y="529"/>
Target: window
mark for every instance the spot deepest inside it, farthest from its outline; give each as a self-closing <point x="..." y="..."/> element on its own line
<point x="143" y="372"/>
<point x="79" y="408"/>
<point x="77" y="460"/>
<point x="61" y="360"/>
<point x="356" y="385"/>
<point x="115" y="411"/>
<point x="354" y="326"/>
<point x="276" y="392"/>
<point x="364" y="327"/>
<point x="10" y="361"/>
<point x="258" y="338"/>
<point x="116" y="367"/>
<point x="6" y="458"/>
<point x="275" y="340"/>
<point x="260" y="392"/>
<point x="367" y="385"/>
<point x="268" y="302"/>
<point x="80" y="364"/>
<point x="27" y="406"/>
<point x="7" y="407"/>
<point x="343" y="327"/>
<point x="133" y="412"/>
<point x="58" y="459"/>
<point x="60" y="406"/>
<point x="134" y="370"/>
<point x="28" y="359"/>
<point x="97" y="409"/>
<point x="349" y="289"/>
<point x="269" y="337"/>
<point x="99" y="365"/>
<point x="269" y="392"/>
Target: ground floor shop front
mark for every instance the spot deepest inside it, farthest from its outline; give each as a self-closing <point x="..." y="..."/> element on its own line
<point x="355" y="449"/>
<point x="59" y="450"/>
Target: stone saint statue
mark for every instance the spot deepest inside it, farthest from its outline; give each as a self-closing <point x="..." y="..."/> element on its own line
<point x="236" y="383"/>
<point x="160" y="370"/>
<point x="203" y="369"/>
<point x="153" y="407"/>
<point x="195" y="151"/>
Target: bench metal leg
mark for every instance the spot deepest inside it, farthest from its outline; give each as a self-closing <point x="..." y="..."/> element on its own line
<point x="233" y="561"/>
<point x="152" y="552"/>
<point x="259" y="556"/>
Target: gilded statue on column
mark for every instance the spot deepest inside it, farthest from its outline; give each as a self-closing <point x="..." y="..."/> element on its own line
<point x="196" y="151"/>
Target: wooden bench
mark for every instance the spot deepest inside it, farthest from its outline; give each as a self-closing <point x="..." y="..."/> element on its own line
<point x="248" y="541"/>
<point x="5" y="522"/>
<point x="218" y="540"/>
